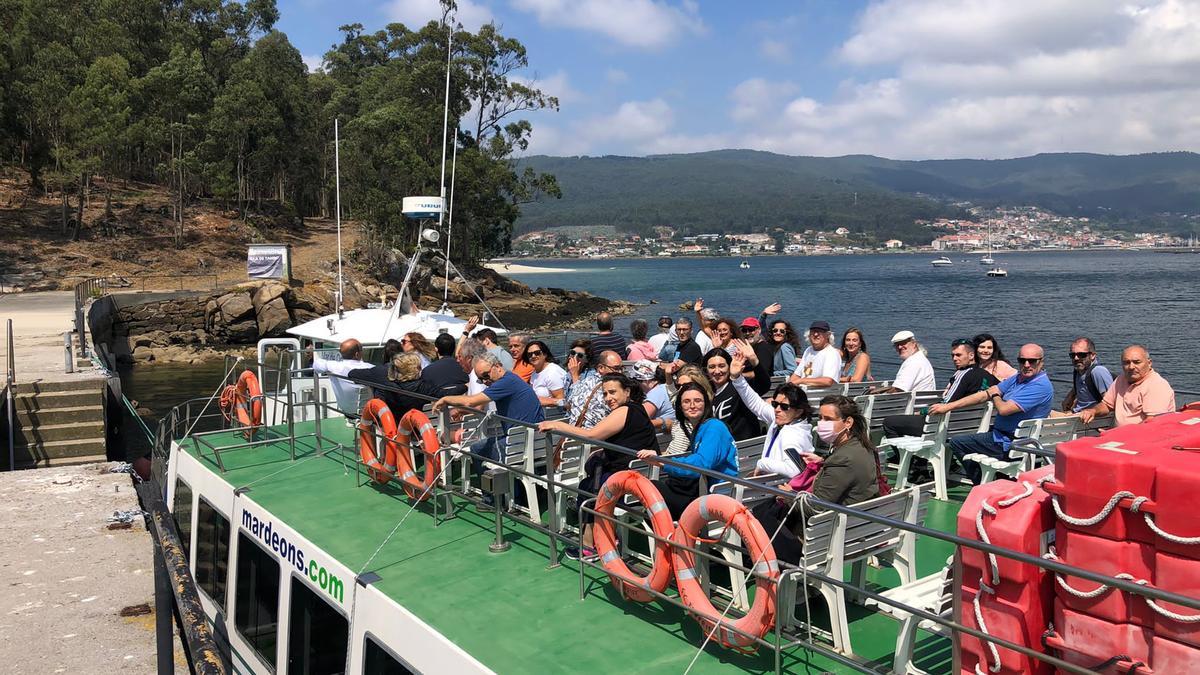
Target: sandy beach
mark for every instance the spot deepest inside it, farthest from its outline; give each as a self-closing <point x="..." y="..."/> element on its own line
<point x="514" y="268"/>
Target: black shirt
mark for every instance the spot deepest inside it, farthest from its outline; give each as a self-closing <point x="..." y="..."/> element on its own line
<point x="761" y="381"/>
<point x="688" y="352"/>
<point x="397" y="402"/>
<point x="637" y="434"/>
<point x="446" y="376"/>
<point x="967" y="381"/>
<point x="729" y="408"/>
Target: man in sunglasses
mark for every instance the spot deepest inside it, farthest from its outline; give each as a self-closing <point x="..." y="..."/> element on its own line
<point x="1138" y="394"/>
<point x="1025" y="396"/>
<point x="1091" y="380"/>
<point x="514" y="398"/>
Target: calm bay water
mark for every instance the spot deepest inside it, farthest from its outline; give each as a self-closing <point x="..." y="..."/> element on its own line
<point x="1117" y="298"/>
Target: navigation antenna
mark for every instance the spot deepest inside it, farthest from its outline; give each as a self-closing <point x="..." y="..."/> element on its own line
<point x="337" y="191"/>
<point x="445" y="130"/>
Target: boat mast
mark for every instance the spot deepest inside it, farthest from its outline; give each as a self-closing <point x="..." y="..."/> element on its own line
<point x="337" y="191"/>
<point x="445" y="131"/>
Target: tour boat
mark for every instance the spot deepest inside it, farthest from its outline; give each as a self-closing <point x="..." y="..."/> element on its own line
<point x="997" y="272"/>
<point x="943" y="260"/>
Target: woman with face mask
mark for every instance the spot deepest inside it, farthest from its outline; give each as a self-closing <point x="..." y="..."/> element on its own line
<point x="849" y="474"/>
<point x="710" y="447"/>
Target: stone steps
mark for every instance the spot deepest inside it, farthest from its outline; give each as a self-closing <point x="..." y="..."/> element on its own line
<point x="58" y="453"/>
<point x="57" y="421"/>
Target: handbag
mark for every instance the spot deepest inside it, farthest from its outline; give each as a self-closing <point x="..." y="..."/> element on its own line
<point x="804" y="481"/>
<point x="558" y="448"/>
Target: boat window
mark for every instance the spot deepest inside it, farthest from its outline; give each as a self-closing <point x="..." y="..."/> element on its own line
<point x="182" y="511"/>
<point x="212" y="552"/>
<point x="317" y="634"/>
<point x="379" y="661"/>
<point x="256" y="603"/>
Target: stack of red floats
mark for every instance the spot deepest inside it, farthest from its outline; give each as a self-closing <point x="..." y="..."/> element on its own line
<point x="1123" y="504"/>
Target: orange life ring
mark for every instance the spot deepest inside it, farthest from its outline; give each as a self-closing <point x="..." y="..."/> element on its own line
<point x="629" y="584"/>
<point x="416" y="423"/>
<point x="246" y="398"/>
<point x="376" y="414"/>
<point x="694" y="521"/>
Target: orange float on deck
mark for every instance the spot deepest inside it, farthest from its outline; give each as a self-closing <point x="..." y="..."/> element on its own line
<point x="244" y="401"/>
<point x="416" y="423"/>
<point x="376" y="414"/>
<point x="1001" y="596"/>
<point x="629" y="584"/>
<point x="693" y="524"/>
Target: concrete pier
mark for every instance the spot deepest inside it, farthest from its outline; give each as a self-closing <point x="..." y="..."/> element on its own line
<point x="79" y="590"/>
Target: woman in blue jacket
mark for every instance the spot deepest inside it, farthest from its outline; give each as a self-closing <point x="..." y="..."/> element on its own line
<point x="710" y="447"/>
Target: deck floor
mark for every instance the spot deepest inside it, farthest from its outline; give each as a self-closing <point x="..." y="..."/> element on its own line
<point x="511" y="610"/>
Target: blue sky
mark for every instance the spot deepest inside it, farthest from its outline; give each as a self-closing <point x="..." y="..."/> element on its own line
<point x="899" y="78"/>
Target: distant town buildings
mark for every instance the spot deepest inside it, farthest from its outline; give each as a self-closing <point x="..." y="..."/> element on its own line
<point x="1000" y="229"/>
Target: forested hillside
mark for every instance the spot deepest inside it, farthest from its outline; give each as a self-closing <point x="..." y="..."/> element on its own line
<point x="206" y="98"/>
<point x="736" y="190"/>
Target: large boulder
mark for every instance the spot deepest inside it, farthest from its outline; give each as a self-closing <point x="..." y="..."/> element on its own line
<point x="242" y="332"/>
<point x="273" y="318"/>
<point x="268" y="293"/>
<point x="235" y="306"/>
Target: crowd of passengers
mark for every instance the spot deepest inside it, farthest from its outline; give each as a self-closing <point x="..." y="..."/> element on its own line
<point x="615" y="389"/>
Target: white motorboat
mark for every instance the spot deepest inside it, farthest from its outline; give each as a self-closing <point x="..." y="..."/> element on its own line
<point x="997" y="272"/>
<point x="745" y="265"/>
<point x="942" y="261"/>
<point x="987" y="260"/>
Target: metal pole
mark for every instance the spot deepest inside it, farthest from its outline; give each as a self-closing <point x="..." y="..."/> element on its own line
<point x="164" y="636"/>
<point x="68" y="362"/>
<point x="11" y="380"/>
<point x="337" y="198"/>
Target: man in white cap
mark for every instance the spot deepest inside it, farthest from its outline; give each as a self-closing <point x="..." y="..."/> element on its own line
<point x="916" y="373"/>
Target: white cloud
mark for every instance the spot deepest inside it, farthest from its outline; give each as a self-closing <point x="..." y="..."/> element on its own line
<point x="416" y="13"/>
<point x="312" y="62"/>
<point x="556" y="84"/>
<point x="775" y="50"/>
<point x="996" y="78"/>
<point x="616" y="76"/>
<point x="633" y="127"/>
<point x="645" y="24"/>
<point x="757" y="98"/>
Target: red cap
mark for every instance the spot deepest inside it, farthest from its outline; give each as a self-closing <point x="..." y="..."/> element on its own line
<point x="750" y="322"/>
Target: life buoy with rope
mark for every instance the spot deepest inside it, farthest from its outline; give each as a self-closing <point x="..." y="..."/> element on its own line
<point x="243" y="401"/>
<point x="416" y="423"/>
<point x="629" y="584"/>
<point x="376" y="414"/>
<point x="694" y="521"/>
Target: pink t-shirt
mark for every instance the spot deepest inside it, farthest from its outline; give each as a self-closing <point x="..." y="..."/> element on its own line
<point x="1133" y="403"/>
<point x="1001" y="369"/>
<point x="642" y="351"/>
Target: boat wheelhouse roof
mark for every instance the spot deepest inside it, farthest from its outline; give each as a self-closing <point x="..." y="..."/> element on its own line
<point x="510" y="611"/>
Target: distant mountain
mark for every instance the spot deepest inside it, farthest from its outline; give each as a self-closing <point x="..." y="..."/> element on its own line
<point x="741" y="190"/>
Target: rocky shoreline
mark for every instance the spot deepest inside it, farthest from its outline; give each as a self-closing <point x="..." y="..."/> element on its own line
<point x="200" y="326"/>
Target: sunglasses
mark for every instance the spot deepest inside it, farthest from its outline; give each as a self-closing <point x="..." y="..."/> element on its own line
<point x="578" y="355"/>
<point x="749" y="329"/>
<point x="1030" y="362"/>
<point x="779" y="331"/>
<point x="781" y="406"/>
<point x="485" y="378"/>
<point x="406" y="341"/>
<point x="901" y="345"/>
<point x="961" y="343"/>
<point x="534" y="352"/>
<point x="1079" y="356"/>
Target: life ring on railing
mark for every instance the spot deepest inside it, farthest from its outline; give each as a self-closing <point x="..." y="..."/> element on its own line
<point x="694" y="521"/>
<point x="1194" y="405"/>
<point x="244" y="400"/>
<point x="376" y="414"/>
<point x="629" y="584"/>
<point x="416" y="423"/>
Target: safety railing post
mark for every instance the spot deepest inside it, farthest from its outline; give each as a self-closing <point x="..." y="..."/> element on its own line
<point x="68" y="362"/>
<point x="552" y="499"/>
<point x="10" y="388"/>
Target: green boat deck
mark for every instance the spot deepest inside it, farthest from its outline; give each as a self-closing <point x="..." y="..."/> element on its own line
<point x="510" y="610"/>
